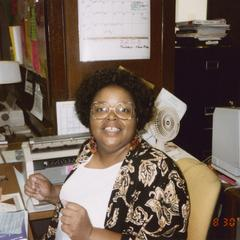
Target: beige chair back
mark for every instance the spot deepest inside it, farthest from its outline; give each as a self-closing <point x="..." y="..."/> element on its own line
<point x="204" y="187"/>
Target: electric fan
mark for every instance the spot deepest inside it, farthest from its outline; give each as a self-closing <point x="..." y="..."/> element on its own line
<point x="163" y="128"/>
<point x="165" y="123"/>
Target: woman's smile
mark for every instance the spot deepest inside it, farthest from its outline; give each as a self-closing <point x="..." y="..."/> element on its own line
<point x="111" y="129"/>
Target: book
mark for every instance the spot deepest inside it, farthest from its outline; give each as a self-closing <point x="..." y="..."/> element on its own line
<point x="227" y="179"/>
<point x="13" y="218"/>
<point x="16" y="43"/>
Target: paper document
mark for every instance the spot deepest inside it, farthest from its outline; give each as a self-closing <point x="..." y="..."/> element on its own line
<point x="37" y="109"/>
<point x="13" y="217"/>
<point x="11" y="222"/>
<point x="67" y="120"/>
<point x="113" y="29"/>
<point x="28" y="88"/>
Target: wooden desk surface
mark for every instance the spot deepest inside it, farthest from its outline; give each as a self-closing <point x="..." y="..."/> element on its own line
<point x="11" y="185"/>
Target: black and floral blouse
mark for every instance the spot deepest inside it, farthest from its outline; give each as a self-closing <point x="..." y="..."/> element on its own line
<point x="149" y="199"/>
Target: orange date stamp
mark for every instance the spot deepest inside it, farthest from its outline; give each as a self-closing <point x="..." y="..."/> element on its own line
<point x="228" y="222"/>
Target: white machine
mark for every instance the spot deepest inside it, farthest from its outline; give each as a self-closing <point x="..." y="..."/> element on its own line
<point x="226" y="142"/>
<point x="11" y="116"/>
<point x="52" y="156"/>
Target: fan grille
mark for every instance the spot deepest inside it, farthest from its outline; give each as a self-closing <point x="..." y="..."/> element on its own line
<point x="166" y="124"/>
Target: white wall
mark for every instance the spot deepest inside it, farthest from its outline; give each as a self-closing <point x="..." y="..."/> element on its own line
<point x="191" y="9"/>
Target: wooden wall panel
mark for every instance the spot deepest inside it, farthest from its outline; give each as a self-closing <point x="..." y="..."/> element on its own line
<point x="158" y="69"/>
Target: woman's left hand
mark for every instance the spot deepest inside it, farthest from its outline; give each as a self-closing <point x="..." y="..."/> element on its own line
<point x="75" y="221"/>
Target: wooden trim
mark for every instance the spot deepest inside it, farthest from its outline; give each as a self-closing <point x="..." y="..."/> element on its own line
<point x="56" y="50"/>
<point x="168" y="43"/>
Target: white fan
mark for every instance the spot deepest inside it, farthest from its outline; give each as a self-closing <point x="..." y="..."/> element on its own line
<point x="165" y="124"/>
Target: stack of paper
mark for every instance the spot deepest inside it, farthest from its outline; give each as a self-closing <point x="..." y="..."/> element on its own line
<point x="13" y="217"/>
<point x="3" y="141"/>
<point x="203" y="30"/>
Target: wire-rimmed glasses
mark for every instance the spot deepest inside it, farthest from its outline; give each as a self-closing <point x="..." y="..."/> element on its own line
<point x="123" y="110"/>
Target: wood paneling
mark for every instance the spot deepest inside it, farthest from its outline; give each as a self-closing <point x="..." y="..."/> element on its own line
<point x="65" y="71"/>
<point x="158" y="69"/>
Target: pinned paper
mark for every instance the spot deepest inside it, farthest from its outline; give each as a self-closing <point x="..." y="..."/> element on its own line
<point x="37" y="109"/>
<point x="28" y="85"/>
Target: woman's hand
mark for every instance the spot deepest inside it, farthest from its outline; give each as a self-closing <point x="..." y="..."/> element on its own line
<point x="76" y="222"/>
<point x="39" y="187"/>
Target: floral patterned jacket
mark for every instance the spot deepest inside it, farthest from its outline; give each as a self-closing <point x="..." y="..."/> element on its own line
<point x="149" y="198"/>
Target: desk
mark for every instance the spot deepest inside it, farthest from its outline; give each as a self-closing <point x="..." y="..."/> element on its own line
<point x="11" y="186"/>
<point x="14" y="143"/>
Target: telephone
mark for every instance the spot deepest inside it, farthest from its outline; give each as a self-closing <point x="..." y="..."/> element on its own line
<point x="11" y="116"/>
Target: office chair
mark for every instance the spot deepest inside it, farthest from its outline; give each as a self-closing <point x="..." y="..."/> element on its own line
<point x="204" y="188"/>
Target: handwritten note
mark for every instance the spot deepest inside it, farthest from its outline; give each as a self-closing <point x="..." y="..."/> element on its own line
<point x="114" y="29"/>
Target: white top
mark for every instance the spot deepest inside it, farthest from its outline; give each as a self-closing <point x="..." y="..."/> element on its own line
<point x="85" y="186"/>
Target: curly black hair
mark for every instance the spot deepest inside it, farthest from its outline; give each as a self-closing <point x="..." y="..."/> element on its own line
<point x="142" y="95"/>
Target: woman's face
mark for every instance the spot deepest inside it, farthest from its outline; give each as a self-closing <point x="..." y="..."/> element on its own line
<point x="112" y="133"/>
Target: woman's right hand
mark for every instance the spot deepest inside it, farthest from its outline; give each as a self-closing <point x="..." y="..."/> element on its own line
<point x="39" y="187"/>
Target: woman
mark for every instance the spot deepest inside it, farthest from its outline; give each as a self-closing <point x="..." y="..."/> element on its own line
<point x="121" y="188"/>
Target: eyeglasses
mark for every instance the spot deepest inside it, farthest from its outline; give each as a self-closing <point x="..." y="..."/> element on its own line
<point x="125" y="111"/>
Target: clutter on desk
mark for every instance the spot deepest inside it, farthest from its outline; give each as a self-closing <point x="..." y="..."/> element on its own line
<point x="10" y="136"/>
<point x="7" y="130"/>
<point x="3" y="140"/>
<point x="13" y="217"/>
<point x="11" y="156"/>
